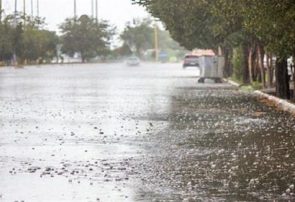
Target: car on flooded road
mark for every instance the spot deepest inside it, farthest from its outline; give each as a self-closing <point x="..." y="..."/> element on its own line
<point x="190" y="61"/>
<point x="133" y="61"/>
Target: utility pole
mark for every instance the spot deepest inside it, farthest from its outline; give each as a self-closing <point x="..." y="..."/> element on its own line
<point x="75" y="9"/>
<point x="32" y="8"/>
<point x="15" y="12"/>
<point x="15" y="6"/>
<point x="0" y="11"/>
<point x="14" y="59"/>
<point x="96" y="11"/>
<point x="38" y="8"/>
<point x="24" y="7"/>
<point x="92" y="8"/>
<point x="156" y="43"/>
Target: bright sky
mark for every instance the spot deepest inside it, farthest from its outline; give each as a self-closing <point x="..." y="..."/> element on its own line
<point x="117" y="12"/>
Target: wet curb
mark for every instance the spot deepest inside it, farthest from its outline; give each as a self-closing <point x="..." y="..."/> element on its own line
<point x="280" y="103"/>
<point x="233" y="83"/>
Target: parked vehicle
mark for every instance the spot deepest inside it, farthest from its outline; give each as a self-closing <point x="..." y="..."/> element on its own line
<point x="133" y="61"/>
<point x="190" y="61"/>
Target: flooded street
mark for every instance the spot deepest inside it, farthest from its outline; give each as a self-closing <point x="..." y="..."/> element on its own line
<point x="149" y="133"/>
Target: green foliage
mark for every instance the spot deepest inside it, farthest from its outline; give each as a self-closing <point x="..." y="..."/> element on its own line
<point x="26" y="38"/>
<point x="166" y="42"/>
<point x="251" y="87"/>
<point x="237" y="61"/>
<point x="39" y="44"/>
<point x="196" y="24"/>
<point x="86" y="36"/>
<point x="257" y="25"/>
<point x="139" y="36"/>
<point x="6" y="46"/>
<point x="122" y="51"/>
<point x="211" y="23"/>
<point x="273" y="22"/>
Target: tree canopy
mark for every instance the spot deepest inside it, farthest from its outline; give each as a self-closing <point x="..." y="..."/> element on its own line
<point x="193" y="23"/>
<point x="139" y="36"/>
<point x="256" y="25"/>
<point x="26" y="38"/>
<point x="272" y="22"/>
<point x="86" y="36"/>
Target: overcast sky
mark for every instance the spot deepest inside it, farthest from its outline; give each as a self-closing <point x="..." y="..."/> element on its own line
<point x="117" y="12"/>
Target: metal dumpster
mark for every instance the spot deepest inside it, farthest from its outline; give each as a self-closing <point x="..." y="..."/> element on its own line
<point x="211" y="67"/>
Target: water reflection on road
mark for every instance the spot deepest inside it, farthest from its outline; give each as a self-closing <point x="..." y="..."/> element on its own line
<point x="149" y="133"/>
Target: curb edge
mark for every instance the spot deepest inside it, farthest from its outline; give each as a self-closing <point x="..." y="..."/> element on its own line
<point x="281" y="104"/>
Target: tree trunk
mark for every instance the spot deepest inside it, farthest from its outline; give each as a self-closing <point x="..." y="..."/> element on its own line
<point x="282" y="79"/>
<point x="250" y="64"/>
<point x="245" y="64"/>
<point x="260" y="58"/>
<point x="293" y="75"/>
<point x="83" y="57"/>
<point x="269" y="70"/>
<point x="256" y="70"/>
<point x="227" y="71"/>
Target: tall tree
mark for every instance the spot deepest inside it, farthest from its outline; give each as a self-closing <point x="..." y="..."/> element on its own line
<point x="272" y="21"/>
<point x="39" y="45"/>
<point x="198" y="24"/>
<point x="86" y="36"/>
<point x="6" y="46"/>
<point x="138" y="35"/>
<point x="264" y="26"/>
<point x="30" y="42"/>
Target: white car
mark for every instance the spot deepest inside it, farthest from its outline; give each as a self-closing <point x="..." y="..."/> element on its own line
<point x="133" y="61"/>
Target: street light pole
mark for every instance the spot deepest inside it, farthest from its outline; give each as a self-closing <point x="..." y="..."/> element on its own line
<point x="24" y="7"/>
<point x="75" y="9"/>
<point x="96" y="11"/>
<point x="0" y="11"/>
<point x="92" y="8"/>
<point x="38" y="9"/>
<point x="15" y="25"/>
<point x="15" y="11"/>
<point x="15" y="6"/>
<point x="32" y="8"/>
<point x="156" y="43"/>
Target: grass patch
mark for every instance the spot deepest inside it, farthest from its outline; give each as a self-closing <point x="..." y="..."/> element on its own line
<point x="247" y="87"/>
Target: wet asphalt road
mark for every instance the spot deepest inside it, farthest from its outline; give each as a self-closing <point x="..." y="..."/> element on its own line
<point x="148" y="133"/>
